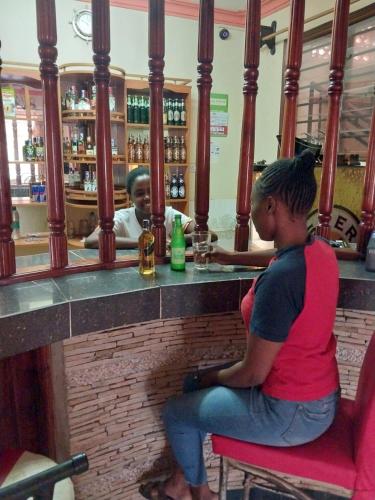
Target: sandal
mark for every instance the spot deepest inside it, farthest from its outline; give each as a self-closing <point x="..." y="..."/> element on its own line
<point x="154" y="490"/>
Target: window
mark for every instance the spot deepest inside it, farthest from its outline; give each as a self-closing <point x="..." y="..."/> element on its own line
<point x="358" y="97"/>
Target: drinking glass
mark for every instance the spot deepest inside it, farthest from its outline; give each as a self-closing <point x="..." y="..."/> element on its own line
<point x="201" y="244"/>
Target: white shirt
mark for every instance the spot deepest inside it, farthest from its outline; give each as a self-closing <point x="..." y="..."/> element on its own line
<point x="126" y="224"/>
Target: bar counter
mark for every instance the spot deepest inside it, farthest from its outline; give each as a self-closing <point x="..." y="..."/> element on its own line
<point x="121" y="345"/>
<point x="102" y="300"/>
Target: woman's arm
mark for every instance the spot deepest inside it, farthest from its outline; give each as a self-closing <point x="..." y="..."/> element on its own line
<point x="251" y="371"/>
<point x="259" y="258"/>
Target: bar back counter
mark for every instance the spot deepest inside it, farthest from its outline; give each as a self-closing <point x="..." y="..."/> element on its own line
<point x="121" y="345"/>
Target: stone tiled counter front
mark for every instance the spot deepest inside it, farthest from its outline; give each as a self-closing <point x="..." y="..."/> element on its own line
<point x="129" y="341"/>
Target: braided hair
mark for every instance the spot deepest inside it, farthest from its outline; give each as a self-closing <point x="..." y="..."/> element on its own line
<point x="292" y="180"/>
<point x="133" y="174"/>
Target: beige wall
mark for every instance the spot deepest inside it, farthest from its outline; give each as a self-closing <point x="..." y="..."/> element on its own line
<point x="129" y="50"/>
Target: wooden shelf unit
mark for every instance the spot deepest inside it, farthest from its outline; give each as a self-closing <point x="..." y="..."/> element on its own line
<point x="172" y="89"/>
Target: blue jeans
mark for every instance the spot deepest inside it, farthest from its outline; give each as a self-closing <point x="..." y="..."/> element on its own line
<point x="245" y="414"/>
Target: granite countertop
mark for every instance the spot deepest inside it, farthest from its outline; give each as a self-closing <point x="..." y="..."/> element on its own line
<point x="37" y="313"/>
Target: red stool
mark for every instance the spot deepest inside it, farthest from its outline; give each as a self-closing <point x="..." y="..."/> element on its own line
<point x="343" y="457"/>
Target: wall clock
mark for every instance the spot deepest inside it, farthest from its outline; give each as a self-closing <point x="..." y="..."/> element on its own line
<point x="82" y="24"/>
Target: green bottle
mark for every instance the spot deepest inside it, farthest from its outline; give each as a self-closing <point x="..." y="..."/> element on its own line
<point x="177" y="245"/>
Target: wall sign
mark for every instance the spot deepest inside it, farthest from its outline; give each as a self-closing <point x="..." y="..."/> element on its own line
<point x="219" y="115"/>
<point x="344" y="224"/>
<point x="9" y="102"/>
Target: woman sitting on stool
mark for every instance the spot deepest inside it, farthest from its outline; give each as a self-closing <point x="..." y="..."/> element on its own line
<point x="285" y="390"/>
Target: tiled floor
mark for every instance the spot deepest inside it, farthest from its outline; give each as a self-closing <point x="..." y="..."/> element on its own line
<point x="261" y="494"/>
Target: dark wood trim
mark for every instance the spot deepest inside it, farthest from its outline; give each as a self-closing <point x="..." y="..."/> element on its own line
<point x="250" y="91"/>
<point x="326" y="28"/>
<point x="204" y="84"/>
<point x="101" y="46"/>
<point x="156" y="81"/>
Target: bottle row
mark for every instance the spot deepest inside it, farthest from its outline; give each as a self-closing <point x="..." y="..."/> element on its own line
<point x="85" y="99"/>
<point x="33" y="149"/>
<point x="139" y="149"/>
<point x="83" y="177"/>
<point x="138" y="110"/>
<point x="81" y="145"/>
<point x="175" y="186"/>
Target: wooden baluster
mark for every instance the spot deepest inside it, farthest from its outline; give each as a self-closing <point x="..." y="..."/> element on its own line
<point x="250" y="91"/>
<point x="156" y="80"/>
<point x="204" y="83"/>
<point x="7" y="249"/>
<point x="292" y="72"/>
<point x="101" y="47"/>
<point x="336" y="75"/>
<point x="368" y="201"/>
<point x="46" y="22"/>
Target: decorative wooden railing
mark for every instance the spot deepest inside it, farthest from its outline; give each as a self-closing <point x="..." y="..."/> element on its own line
<point x="47" y="37"/>
<point x="292" y="74"/>
<point x="156" y="79"/>
<point x="101" y="46"/>
<point x="336" y="76"/>
<point x="204" y="82"/>
<point x="46" y="19"/>
<point x="250" y="90"/>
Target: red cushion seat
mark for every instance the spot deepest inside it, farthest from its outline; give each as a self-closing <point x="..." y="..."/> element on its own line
<point x="334" y="465"/>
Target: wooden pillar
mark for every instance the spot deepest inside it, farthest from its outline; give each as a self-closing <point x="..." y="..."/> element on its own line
<point x="7" y="250"/>
<point x="368" y="200"/>
<point x="336" y="75"/>
<point x="250" y="91"/>
<point x="292" y="73"/>
<point x="101" y="47"/>
<point x="204" y="83"/>
<point x="156" y="80"/>
<point x="46" y="21"/>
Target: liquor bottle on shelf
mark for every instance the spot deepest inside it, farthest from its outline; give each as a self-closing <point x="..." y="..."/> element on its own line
<point x="178" y="245"/>
<point x="183" y="113"/>
<point x="181" y="186"/>
<point x="170" y="116"/>
<point x="183" y="155"/>
<point x="34" y="143"/>
<point x="167" y="186"/>
<point x="73" y="97"/>
<point x="74" y="144"/>
<point x="138" y="150"/>
<point x="165" y="111"/>
<point x="39" y="156"/>
<point x="142" y="110"/>
<point x="93" y="182"/>
<point x="131" y="150"/>
<point x="89" y="147"/>
<point x="87" y="181"/>
<point x="146" y="150"/>
<point x="147" y="109"/>
<point x="168" y="150"/>
<point x="112" y="100"/>
<point x="84" y="102"/>
<point x="130" y="111"/>
<point x="146" y="244"/>
<point x="176" y="149"/>
<point x="81" y="144"/>
<point x="174" y="187"/>
<point x="77" y="178"/>
<point x="176" y="113"/>
<point x="93" y="96"/>
<point x="136" y="115"/>
<point x="114" y="147"/>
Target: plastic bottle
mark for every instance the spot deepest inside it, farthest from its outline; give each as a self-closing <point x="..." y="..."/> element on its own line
<point x="370" y="253"/>
<point x="15" y="224"/>
<point x="178" y="245"/>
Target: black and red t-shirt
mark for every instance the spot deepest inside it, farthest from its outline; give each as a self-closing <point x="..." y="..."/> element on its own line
<point x="294" y="302"/>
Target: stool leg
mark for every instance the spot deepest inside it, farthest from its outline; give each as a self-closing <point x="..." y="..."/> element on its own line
<point x="223" y="480"/>
<point x="247" y="486"/>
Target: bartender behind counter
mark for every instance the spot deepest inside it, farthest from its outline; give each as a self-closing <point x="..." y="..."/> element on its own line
<point x="128" y="221"/>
